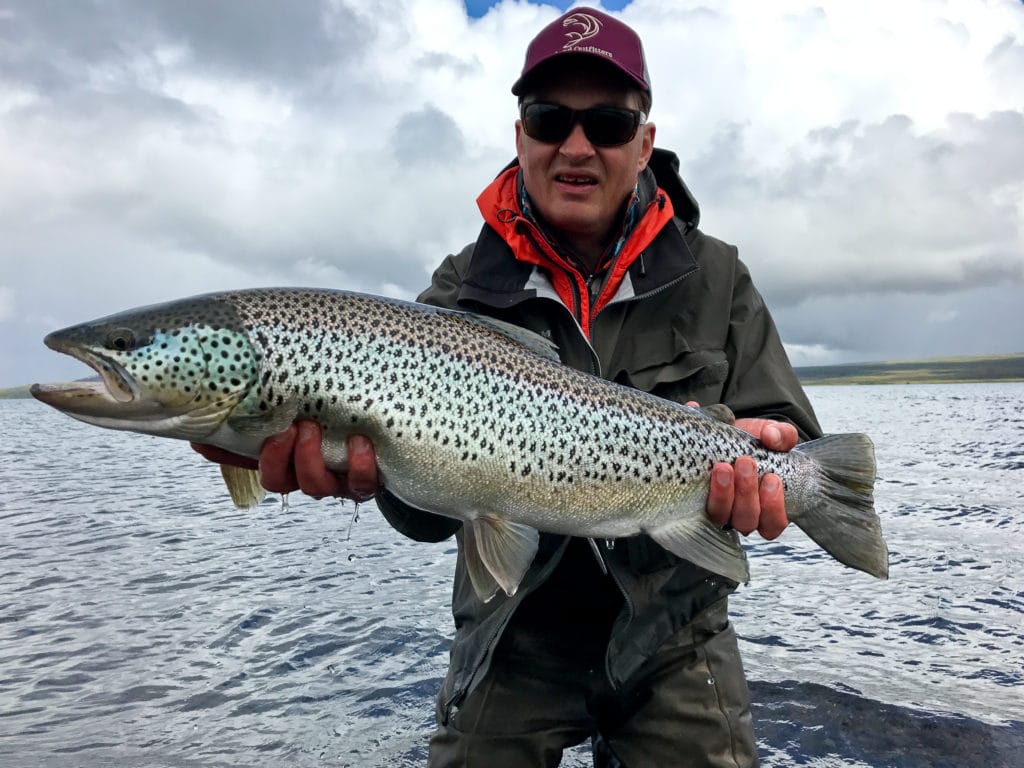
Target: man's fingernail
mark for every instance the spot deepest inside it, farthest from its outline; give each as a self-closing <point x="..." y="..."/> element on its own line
<point x="770" y="483"/>
<point x="771" y="434"/>
<point x="722" y="479"/>
<point x="744" y="469"/>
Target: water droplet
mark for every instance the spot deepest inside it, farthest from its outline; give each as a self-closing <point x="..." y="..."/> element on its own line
<point x="711" y="681"/>
<point x="609" y="543"/>
<point x="353" y="521"/>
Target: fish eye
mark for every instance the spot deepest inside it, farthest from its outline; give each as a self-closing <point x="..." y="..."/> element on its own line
<point x="121" y="339"/>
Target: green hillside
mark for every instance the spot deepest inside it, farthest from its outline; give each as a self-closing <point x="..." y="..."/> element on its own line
<point x="14" y="393"/>
<point x="934" y="371"/>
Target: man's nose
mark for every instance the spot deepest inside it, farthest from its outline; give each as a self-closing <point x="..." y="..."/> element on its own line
<point x="576" y="144"/>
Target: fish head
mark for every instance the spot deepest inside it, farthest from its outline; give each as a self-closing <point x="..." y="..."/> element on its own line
<point x="175" y="369"/>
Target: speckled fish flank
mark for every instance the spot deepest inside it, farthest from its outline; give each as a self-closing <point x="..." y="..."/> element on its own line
<point x="471" y="418"/>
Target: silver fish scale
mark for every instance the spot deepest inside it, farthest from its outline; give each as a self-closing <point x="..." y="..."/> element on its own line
<point x="511" y="432"/>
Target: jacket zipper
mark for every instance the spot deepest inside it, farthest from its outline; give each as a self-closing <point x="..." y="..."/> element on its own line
<point x="577" y="301"/>
<point x="630" y="613"/>
<point x="452" y="702"/>
<point x="638" y="297"/>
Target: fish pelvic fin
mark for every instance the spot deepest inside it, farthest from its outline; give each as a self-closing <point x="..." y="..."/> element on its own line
<point x="243" y="485"/>
<point x="498" y="554"/>
<point x="842" y="521"/>
<point x="697" y="539"/>
<point x="483" y="583"/>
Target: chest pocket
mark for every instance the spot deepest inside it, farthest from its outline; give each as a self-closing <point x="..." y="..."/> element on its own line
<point x="685" y="375"/>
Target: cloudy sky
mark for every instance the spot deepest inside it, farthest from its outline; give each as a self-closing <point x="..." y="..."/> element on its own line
<point x="867" y="158"/>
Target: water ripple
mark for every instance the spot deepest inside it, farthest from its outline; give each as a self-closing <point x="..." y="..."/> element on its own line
<point x="144" y="621"/>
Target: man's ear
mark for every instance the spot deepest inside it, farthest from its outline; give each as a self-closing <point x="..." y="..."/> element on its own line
<point x="647" y="147"/>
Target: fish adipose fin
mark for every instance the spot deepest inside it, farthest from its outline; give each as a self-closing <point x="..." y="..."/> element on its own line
<point x="498" y="554"/>
<point x="697" y="539"/>
<point x="243" y="485"/>
<point x="844" y="523"/>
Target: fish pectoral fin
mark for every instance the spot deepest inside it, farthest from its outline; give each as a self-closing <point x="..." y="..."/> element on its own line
<point x="263" y="424"/>
<point x="503" y="549"/>
<point x="243" y="485"/>
<point x="698" y="540"/>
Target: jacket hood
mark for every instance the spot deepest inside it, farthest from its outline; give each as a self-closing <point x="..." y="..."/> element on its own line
<point x="664" y="164"/>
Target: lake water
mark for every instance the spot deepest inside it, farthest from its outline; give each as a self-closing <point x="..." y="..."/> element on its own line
<point x="146" y="622"/>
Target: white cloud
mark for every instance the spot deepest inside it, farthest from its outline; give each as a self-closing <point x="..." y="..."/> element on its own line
<point x="867" y="152"/>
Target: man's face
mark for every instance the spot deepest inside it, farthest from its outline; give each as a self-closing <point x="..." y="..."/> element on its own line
<point x="580" y="189"/>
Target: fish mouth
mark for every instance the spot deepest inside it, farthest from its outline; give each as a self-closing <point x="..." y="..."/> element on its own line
<point x="114" y="389"/>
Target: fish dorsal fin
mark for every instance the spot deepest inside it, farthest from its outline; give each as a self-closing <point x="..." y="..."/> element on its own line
<point x="504" y="549"/>
<point x="697" y="539"/>
<point x="243" y="485"/>
<point x="718" y="412"/>
<point x="524" y="337"/>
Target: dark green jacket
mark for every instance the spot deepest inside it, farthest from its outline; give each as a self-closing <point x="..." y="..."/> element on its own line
<point x="689" y="326"/>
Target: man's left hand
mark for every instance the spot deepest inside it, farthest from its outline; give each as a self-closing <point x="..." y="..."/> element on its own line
<point x="736" y="498"/>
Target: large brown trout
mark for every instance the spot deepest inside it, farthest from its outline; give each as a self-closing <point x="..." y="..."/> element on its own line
<point x="471" y="418"/>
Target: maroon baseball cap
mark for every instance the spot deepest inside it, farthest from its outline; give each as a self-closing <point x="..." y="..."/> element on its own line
<point x="590" y="32"/>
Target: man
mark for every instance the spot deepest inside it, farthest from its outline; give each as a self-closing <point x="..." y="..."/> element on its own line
<point x="591" y="239"/>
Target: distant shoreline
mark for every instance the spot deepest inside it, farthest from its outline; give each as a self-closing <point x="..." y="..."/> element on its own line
<point x="941" y="370"/>
<point x="14" y="393"/>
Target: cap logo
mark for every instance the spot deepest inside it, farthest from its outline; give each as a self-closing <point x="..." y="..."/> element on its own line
<point x="588" y="27"/>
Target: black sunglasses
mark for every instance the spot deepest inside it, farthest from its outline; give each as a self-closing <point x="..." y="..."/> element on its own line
<point x="603" y="126"/>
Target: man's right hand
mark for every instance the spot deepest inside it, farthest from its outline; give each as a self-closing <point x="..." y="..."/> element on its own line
<point x="293" y="461"/>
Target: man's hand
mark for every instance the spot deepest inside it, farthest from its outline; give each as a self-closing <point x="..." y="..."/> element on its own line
<point x="736" y="498"/>
<point x="293" y="460"/>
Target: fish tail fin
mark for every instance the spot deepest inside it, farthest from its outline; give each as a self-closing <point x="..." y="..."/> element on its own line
<point x="842" y="518"/>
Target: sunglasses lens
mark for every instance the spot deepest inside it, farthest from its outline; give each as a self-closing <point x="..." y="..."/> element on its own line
<point x="550" y="123"/>
<point x="609" y="127"/>
<point x="603" y="126"/>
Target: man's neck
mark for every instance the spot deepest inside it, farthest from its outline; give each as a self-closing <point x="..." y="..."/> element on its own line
<point x="588" y="250"/>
